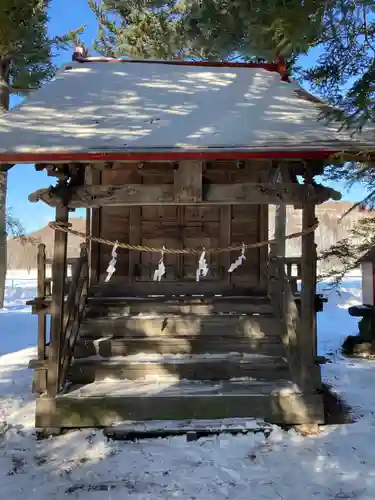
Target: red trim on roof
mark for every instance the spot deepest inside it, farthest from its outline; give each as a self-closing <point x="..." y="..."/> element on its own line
<point x="159" y="156"/>
<point x="219" y="64"/>
<point x="282" y="69"/>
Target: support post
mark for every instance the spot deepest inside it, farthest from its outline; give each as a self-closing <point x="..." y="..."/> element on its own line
<point x="57" y="306"/>
<point x="281" y="213"/>
<point x="134" y="239"/>
<point x="307" y="314"/>
<point x="88" y="220"/>
<point x="280" y="230"/>
<point x="279" y="248"/>
<point x="93" y="247"/>
<point x="225" y="240"/>
<point x="263" y="251"/>
<point x="188" y="182"/>
<point x="40" y="378"/>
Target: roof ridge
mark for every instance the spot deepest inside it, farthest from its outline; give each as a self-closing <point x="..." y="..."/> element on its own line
<point x="274" y="66"/>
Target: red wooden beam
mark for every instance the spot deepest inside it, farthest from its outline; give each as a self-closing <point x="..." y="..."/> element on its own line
<point x="213" y="64"/>
<point x="159" y="156"/>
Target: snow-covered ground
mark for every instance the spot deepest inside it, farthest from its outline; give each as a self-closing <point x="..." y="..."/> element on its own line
<point x="337" y="464"/>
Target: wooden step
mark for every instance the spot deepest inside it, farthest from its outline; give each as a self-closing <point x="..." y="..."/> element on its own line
<point x="117" y="287"/>
<point x="101" y="306"/>
<point x="225" y="367"/>
<point x="194" y="429"/>
<point x="108" y="403"/>
<point x="251" y="326"/>
<point x="115" y="346"/>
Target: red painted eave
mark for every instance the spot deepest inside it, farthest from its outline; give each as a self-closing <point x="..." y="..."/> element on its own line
<point x="15" y="158"/>
<point x="278" y="67"/>
<point x="274" y="66"/>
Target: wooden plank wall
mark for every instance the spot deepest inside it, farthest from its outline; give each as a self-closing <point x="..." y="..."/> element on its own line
<point x="185" y="226"/>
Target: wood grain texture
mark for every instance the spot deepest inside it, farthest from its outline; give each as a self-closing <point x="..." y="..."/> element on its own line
<point x="40" y="377"/>
<point x="102" y="411"/>
<point x="252" y="326"/>
<point x="57" y="305"/>
<point x="98" y="307"/>
<point x="159" y="194"/>
<point x="86" y="371"/>
<point x="135" y="237"/>
<point x="307" y="309"/>
<point x="263" y="227"/>
<point x="248" y="285"/>
<point x="188" y="182"/>
<point x="107" y="347"/>
<point x="95" y="224"/>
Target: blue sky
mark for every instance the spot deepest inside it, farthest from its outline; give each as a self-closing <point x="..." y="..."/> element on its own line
<point x="23" y="179"/>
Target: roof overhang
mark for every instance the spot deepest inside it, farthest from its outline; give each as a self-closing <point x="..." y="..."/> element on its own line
<point x="177" y="155"/>
<point x="105" y="110"/>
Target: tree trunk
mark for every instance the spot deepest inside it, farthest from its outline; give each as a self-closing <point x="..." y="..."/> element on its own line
<point x="4" y="106"/>
<point x="3" y="236"/>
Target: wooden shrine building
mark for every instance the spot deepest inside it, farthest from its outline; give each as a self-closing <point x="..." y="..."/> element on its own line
<point x="186" y="156"/>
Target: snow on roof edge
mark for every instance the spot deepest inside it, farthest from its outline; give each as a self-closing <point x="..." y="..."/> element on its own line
<point x="274" y="66"/>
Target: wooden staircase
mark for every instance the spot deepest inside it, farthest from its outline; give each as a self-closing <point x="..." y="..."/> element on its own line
<point x="176" y="358"/>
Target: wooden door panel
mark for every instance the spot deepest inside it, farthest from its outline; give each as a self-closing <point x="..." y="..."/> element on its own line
<point x="153" y="212"/>
<point x="149" y="260"/>
<point x="208" y="213"/>
<point x="185" y="227"/>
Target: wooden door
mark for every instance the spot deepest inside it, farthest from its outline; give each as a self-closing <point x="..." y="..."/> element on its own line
<point x="184" y="226"/>
<point x="179" y="227"/>
<point x="197" y="227"/>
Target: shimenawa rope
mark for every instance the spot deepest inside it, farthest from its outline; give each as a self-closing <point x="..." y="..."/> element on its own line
<point x="60" y="226"/>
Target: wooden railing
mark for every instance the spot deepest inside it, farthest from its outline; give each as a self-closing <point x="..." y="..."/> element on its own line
<point x="285" y="307"/>
<point x="75" y="293"/>
<point x="293" y="270"/>
<point x="74" y="310"/>
<point x="41" y="303"/>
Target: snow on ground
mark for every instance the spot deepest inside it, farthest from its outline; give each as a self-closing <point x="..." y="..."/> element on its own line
<point x="337" y="464"/>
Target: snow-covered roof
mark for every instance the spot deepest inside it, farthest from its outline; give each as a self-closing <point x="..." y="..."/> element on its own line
<point x="143" y="107"/>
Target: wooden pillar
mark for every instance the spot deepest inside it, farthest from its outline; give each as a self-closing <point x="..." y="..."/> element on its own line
<point x="57" y="306"/>
<point x="281" y="213"/>
<point x="279" y="248"/>
<point x="180" y="258"/>
<point x="40" y="373"/>
<point x="134" y="239"/>
<point x="188" y="188"/>
<point x="41" y="294"/>
<point x="93" y="178"/>
<point x="225" y="240"/>
<point x="88" y="220"/>
<point x="280" y="230"/>
<point x="307" y="330"/>
<point x="263" y="251"/>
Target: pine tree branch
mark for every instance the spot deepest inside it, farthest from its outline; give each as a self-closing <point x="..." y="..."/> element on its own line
<point x="365" y="29"/>
<point x="345" y="255"/>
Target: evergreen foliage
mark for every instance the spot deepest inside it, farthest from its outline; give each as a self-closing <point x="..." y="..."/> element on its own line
<point x="345" y="70"/>
<point x="139" y="28"/>
<point x="25" y="49"/>
<point x="342" y="31"/>
<point x="346" y="253"/>
<point x="344" y="75"/>
<point x="25" y="63"/>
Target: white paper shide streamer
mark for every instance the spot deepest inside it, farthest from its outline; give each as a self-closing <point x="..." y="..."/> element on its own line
<point x="160" y="271"/>
<point x="112" y="265"/>
<point x="239" y="261"/>
<point x="202" y="266"/>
